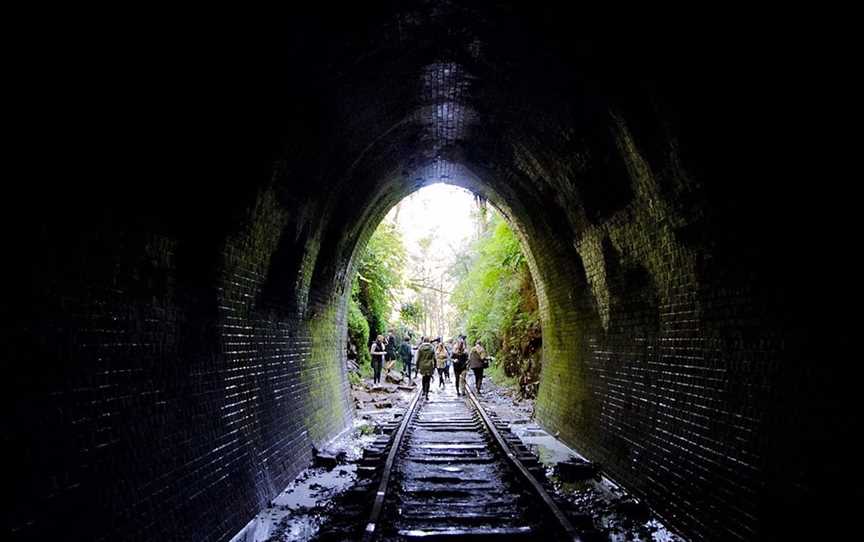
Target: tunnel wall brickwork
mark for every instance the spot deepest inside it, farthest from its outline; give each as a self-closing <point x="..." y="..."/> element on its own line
<point x="656" y="362"/>
<point x="167" y="408"/>
<point x="175" y="324"/>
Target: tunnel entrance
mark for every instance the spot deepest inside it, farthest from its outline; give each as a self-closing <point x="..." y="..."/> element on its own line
<point x="185" y="239"/>
<point x="445" y="263"/>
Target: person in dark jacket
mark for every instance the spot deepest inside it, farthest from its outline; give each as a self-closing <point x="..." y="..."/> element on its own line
<point x="460" y="364"/>
<point x="426" y="364"/>
<point x="475" y="363"/>
<point x="391" y="348"/>
<point x="378" y="351"/>
<point x="406" y="354"/>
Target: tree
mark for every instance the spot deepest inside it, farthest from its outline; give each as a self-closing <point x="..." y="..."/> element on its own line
<point x="411" y="313"/>
<point x="496" y="302"/>
<point x="379" y="274"/>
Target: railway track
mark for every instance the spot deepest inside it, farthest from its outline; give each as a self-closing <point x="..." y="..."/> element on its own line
<point x="452" y="473"/>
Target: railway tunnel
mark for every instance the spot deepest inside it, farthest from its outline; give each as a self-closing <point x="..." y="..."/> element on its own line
<point x="174" y="341"/>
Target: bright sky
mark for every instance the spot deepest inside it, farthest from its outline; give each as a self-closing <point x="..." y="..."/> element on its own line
<point x="443" y="212"/>
<point x="440" y="210"/>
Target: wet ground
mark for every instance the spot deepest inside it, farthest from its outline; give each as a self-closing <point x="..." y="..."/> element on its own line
<point x="298" y="513"/>
<point x="618" y="516"/>
<point x="450" y="479"/>
<point x="315" y="500"/>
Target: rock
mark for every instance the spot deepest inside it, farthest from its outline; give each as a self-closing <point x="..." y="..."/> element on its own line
<point x="576" y="470"/>
<point x="363" y="396"/>
<point x="394" y="376"/>
<point x="383" y="404"/>
<point x="384" y="388"/>
<point x="325" y="460"/>
<point x="633" y="509"/>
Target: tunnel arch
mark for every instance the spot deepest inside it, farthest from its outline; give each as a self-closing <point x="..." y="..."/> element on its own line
<point x="179" y="291"/>
<point x="528" y="242"/>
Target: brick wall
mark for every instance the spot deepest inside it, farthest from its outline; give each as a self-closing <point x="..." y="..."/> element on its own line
<point x="150" y="407"/>
<point x="173" y="329"/>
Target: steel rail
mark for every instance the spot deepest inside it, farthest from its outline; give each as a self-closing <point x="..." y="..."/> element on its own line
<point x="565" y="523"/>
<point x="374" y="517"/>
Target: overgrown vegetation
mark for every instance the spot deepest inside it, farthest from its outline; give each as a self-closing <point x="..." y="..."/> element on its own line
<point x="497" y="304"/>
<point x="379" y="274"/>
<point x="358" y="330"/>
<point x="412" y="314"/>
<point x="493" y="297"/>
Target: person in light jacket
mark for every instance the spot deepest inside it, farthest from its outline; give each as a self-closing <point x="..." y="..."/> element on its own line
<point x="441" y="356"/>
<point x="475" y="363"/>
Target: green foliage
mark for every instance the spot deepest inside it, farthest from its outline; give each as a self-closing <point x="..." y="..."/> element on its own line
<point x="496" y="302"/>
<point x="412" y="314"/>
<point x="358" y="331"/>
<point x="487" y="292"/>
<point x="497" y="374"/>
<point x="379" y="272"/>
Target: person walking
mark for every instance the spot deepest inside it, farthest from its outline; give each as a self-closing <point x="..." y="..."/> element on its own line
<point x="460" y="363"/>
<point x="378" y="351"/>
<point x="406" y="354"/>
<point x="440" y="360"/>
<point x="449" y="346"/>
<point x="390" y="347"/>
<point x="477" y="362"/>
<point x="425" y="364"/>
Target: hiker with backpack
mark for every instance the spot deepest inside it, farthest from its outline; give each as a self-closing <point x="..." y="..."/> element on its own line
<point x="426" y="364"/>
<point x="477" y="362"/>
<point x="406" y="354"/>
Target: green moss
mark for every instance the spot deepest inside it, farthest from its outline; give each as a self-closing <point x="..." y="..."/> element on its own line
<point x="497" y="374"/>
<point x="326" y="403"/>
<point x="642" y="236"/>
<point x="358" y="331"/>
<point x="591" y="252"/>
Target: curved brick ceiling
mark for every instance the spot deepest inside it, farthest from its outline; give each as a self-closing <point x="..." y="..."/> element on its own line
<point x="179" y="310"/>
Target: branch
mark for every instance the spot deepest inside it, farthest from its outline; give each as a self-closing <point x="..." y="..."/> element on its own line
<point x="420" y="285"/>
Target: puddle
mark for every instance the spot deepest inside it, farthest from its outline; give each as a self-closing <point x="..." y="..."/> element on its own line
<point x="598" y="498"/>
<point x="317" y="489"/>
<point x="305" y="507"/>
<point x="301" y="509"/>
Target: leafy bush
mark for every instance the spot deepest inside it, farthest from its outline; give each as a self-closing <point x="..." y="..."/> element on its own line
<point x="497" y="304"/>
<point x="411" y="313"/>
<point x="379" y="273"/>
<point x="358" y="331"/>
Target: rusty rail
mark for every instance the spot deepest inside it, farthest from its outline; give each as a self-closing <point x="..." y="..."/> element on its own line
<point x="374" y="517"/>
<point x="372" y="531"/>
<point x="538" y="489"/>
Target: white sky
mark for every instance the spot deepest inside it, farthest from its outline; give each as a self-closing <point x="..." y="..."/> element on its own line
<point x="442" y="210"/>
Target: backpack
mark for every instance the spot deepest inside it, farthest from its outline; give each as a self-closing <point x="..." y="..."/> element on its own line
<point x="425" y="355"/>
